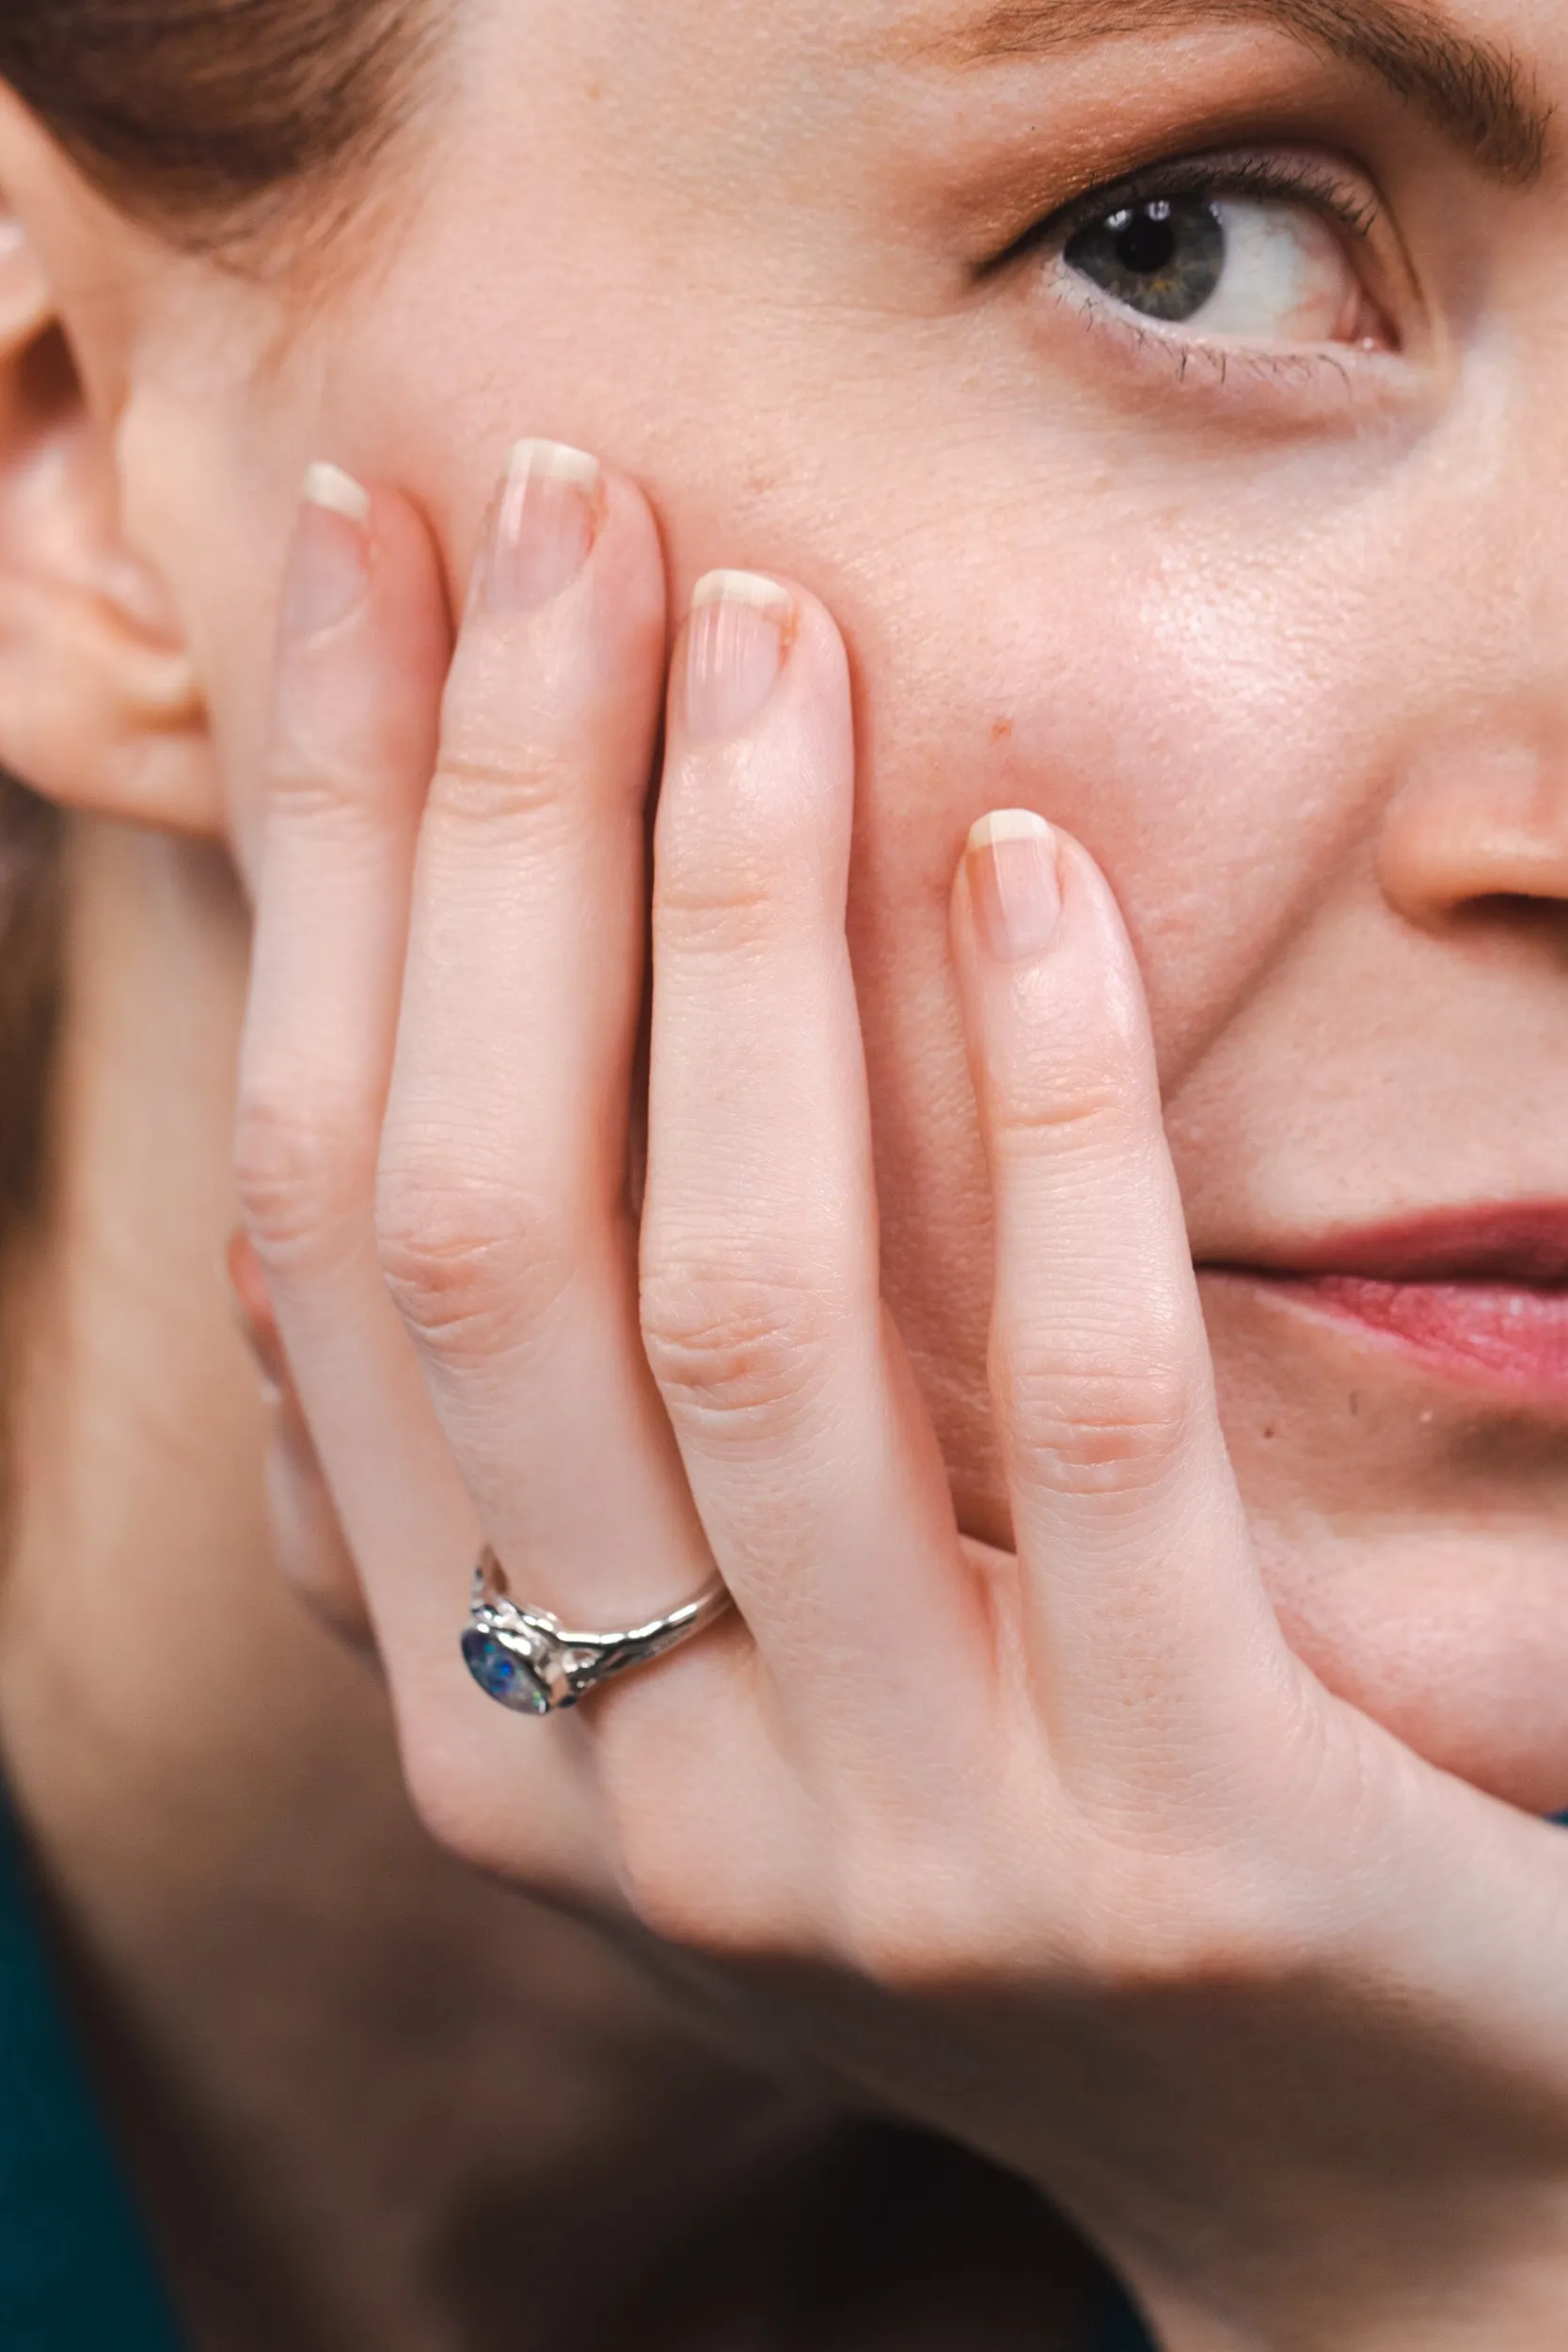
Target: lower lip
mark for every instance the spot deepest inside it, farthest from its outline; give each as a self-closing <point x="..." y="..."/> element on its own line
<point x="1498" y="1335"/>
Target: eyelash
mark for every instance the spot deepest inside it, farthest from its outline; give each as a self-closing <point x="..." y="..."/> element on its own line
<point x="1288" y="179"/>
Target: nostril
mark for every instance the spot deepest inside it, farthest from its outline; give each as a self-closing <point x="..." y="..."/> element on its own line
<point x="1515" y="915"/>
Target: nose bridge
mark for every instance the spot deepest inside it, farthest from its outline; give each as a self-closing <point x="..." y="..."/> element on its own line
<point x="1500" y="551"/>
<point x="1507" y="558"/>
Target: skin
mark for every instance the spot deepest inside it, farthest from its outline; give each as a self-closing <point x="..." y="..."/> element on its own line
<point x="1212" y="629"/>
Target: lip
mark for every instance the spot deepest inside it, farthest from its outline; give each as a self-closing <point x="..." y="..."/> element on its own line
<point x="1480" y="1296"/>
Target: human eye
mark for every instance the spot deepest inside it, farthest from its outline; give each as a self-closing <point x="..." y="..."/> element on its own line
<point x="1262" y="250"/>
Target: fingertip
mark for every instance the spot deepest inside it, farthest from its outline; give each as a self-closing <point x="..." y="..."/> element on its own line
<point x="337" y="490"/>
<point x="327" y="575"/>
<point x="1012" y="867"/>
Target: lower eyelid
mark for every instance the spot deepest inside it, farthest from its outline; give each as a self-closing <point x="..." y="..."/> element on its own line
<point x="1193" y="362"/>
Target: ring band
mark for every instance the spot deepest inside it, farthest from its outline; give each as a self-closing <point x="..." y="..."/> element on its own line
<point x="525" y="1659"/>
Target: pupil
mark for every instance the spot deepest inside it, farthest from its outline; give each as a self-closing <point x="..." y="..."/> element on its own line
<point x="1146" y="246"/>
<point x="1164" y="257"/>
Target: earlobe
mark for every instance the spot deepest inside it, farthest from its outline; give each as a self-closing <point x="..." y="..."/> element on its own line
<point x="100" y="707"/>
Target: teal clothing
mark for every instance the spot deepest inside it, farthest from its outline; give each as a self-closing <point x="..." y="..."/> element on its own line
<point x="74" y="2272"/>
<point x="1122" y="2330"/>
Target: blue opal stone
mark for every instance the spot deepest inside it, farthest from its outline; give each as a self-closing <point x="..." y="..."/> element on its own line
<point x="501" y="1674"/>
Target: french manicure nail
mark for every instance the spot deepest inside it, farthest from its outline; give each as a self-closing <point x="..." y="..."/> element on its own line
<point x="1015" y="882"/>
<point x="329" y="562"/>
<point x="735" y="643"/>
<point x="542" y="526"/>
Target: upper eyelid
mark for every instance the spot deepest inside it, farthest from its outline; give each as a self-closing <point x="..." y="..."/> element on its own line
<point x="1306" y="180"/>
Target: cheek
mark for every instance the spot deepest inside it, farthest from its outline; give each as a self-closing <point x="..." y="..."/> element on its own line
<point x="1206" y="724"/>
<point x="216" y="526"/>
<point x="1203" y="721"/>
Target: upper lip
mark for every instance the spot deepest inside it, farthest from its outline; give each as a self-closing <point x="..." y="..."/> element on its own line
<point x="1523" y="1243"/>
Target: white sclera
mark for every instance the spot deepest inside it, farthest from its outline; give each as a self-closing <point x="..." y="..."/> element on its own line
<point x="1287" y="276"/>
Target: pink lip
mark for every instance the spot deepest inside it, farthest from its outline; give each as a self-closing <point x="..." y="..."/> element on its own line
<point x="1481" y="1295"/>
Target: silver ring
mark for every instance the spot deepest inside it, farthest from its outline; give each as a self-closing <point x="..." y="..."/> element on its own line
<point x="525" y="1659"/>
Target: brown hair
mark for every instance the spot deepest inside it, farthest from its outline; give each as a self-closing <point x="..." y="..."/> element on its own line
<point x="203" y="116"/>
<point x="203" y="113"/>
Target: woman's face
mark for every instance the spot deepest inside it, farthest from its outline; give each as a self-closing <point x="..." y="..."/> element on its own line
<point x="1224" y="521"/>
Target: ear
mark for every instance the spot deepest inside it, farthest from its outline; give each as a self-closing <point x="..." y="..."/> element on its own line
<point x="100" y="708"/>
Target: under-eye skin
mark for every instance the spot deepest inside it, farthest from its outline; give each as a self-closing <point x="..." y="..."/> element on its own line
<point x="1274" y="252"/>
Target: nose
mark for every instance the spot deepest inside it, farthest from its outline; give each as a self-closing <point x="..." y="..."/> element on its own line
<point x="1478" y="821"/>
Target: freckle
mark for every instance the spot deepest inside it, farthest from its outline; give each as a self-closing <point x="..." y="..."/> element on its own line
<point x="1270" y="1430"/>
<point x="1000" y="730"/>
<point x="1354" y="1403"/>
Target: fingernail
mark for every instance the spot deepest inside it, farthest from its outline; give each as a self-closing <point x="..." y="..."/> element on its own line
<point x="329" y="562"/>
<point x="249" y="1297"/>
<point x="542" y="526"/>
<point x="1015" y="881"/>
<point x="735" y="643"/>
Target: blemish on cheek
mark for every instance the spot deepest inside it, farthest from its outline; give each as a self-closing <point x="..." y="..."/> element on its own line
<point x="1000" y="730"/>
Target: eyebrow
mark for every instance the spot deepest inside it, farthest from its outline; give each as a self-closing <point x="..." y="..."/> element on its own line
<point x="1476" y="91"/>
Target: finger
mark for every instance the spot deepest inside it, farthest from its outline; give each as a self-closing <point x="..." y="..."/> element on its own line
<point x="1146" y="1613"/>
<point x="364" y="645"/>
<point x="505" y="1222"/>
<point x="307" y="1537"/>
<point x="363" y="648"/>
<point x="812" y="1466"/>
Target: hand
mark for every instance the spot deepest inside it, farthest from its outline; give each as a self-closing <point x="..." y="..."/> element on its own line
<point x="1061" y="1851"/>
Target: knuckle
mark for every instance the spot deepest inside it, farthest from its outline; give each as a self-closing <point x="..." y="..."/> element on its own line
<point x="738" y="1347"/>
<point x="1121" y="1928"/>
<point x="745" y="1915"/>
<point x="321" y="793"/>
<point x="470" y="1265"/>
<point x="924" y="1944"/>
<point x="1091" y="1113"/>
<point x="299" y="1165"/>
<point x="328" y="768"/>
<point x="1089" y="1429"/>
<point x="689" y="1911"/>
<point x="446" y="1798"/>
<point x="503" y="785"/>
<point x="1187" y="1928"/>
<point x="734" y="914"/>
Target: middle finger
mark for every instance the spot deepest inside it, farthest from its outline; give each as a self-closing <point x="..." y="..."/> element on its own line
<point x="503" y="1215"/>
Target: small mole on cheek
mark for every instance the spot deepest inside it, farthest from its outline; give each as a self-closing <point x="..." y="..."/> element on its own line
<point x="1354" y="1403"/>
<point x="1269" y="1429"/>
<point x="1000" y="730"/>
